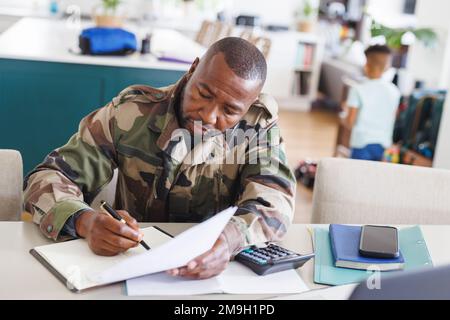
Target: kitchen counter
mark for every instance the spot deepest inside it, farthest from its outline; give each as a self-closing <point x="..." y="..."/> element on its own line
<point x="47" y="88"/>
<point x="52" y="40"/>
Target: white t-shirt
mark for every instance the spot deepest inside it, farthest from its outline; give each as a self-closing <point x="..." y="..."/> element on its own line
<point x="377" y="101"/>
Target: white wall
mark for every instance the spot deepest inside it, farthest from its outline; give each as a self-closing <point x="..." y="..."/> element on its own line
<point x="270" y="11"/>
<point x="442" y="153"/>
<point x="442" y="156"/>
<point x="390" y="13"/>
<point x="432" y="65"/>
<point x="86" y="6"/>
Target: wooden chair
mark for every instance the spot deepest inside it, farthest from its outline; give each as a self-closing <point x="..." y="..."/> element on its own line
<point x="221" y="30"/>
<point x="210" y="32"/>
<point x="205" y="33"/>
<point x="263" y="44"/>
<point x="247" y="34"/>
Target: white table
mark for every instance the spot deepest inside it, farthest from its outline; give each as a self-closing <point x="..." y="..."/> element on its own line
<point x="23" y="277"/>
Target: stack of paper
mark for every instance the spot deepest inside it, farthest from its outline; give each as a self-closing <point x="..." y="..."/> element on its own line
<point x="236" y="279"/>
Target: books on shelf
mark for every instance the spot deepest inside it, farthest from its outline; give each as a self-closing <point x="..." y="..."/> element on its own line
<point x="304" y="58"/>
<point x="303" y="68"/>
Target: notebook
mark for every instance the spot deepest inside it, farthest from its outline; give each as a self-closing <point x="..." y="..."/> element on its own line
<point x="74" y="264"/>
<point x="412" y="245"/>
<point x="72" y="261"/>
<point x="345" y="248"/>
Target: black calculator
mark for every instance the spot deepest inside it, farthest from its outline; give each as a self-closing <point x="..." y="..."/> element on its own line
<point x="271" y="259"/>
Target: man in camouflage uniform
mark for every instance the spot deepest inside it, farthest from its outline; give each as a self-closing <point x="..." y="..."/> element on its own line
<point x="164" y="172"/>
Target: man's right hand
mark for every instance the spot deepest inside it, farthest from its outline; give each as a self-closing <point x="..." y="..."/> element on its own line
<point x="105" y="235"/>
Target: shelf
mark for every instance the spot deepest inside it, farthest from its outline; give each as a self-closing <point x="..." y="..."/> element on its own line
<point x="303" y="69"/>
<point x="286" y="63"/>
<point x="301" y="97"/>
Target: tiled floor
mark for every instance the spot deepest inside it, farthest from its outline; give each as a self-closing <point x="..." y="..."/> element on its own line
<point x="308" y="135"/>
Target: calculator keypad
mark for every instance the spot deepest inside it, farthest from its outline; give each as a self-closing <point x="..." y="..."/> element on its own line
<point x="267" y="254"/>
<point x="271" y="259"/>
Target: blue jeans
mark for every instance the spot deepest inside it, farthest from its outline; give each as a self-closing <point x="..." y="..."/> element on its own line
<point x="372" y="152"/>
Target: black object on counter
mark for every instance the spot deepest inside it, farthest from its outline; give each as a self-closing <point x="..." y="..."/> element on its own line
<point x="249" y="21"/>
<point x="145" y="47"/>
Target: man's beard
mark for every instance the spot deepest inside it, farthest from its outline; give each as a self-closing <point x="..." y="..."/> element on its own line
<point x="196" y="128"/>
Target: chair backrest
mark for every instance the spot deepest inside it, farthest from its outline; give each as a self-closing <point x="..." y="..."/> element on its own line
<point x="263" y="44"/>
<point x="247" y="34"/>
<point x="11" y="182"/>
<point x="364" y="192"/>
<point x="221" y="30"/>
<point x="204" y="33"/>
<point x="211" y="32"/>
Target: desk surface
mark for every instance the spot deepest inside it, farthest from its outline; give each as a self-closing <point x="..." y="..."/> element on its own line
<point x="51" y="40"/>
<point x="23" y="277"/>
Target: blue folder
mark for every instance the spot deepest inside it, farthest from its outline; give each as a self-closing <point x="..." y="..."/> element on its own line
<point x="412" y="245"/>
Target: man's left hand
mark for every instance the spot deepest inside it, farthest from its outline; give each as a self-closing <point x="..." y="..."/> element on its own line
<point x="207" y="265"/>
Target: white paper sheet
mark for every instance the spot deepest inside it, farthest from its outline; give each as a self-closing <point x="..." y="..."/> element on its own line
<point x="164" y="284"/>
<point x="331" y="293"/>
<point x="173" y="254"/>
<point x="236" y="279"/>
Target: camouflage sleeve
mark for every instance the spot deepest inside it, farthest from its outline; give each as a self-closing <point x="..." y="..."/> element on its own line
<point x="266" y="201"/>
<point x="72" y="175"/>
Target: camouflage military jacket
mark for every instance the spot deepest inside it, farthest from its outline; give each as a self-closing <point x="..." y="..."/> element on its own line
<point x="161" y="176"/>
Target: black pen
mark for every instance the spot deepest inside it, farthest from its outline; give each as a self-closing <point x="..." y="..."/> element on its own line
<point x="113" y="213"/>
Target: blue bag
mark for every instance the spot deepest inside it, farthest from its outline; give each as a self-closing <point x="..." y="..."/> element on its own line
<point x="107" y="41"/>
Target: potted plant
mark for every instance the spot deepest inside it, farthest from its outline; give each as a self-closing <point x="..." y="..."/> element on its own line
<point x="395" y="39"/>
<point x="306" y="17"/>
<point x="108" y="15"/>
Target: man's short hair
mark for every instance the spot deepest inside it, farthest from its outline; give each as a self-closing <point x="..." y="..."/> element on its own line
<point x="245" y="59"/>
<point x="377" y="49"/>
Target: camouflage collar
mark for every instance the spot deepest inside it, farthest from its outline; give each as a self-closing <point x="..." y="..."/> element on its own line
<point x="163" y="120"/>
<point x="163" y="114"/>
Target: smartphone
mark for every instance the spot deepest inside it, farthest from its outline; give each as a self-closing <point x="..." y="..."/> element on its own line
<point x="379" y="242"/>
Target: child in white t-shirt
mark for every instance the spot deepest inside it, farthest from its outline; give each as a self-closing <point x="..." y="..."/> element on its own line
<point x="372" y="107"/>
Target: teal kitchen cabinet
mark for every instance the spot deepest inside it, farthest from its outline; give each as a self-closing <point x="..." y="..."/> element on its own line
<point x="42" y="103"/>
